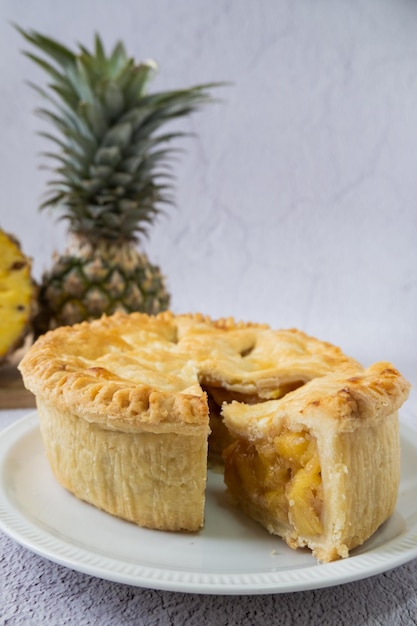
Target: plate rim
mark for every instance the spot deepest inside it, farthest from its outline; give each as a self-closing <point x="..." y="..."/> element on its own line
<point x="13" y="523"/>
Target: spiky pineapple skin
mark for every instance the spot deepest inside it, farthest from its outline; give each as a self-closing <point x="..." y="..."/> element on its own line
<point x="18" y="295"/>
<point x="89" y="280"/>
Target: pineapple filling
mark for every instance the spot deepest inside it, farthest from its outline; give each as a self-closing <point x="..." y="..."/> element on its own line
<point x="282" y="477"/>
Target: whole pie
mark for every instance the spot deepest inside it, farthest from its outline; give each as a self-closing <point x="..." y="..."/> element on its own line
<point x="132" y="407"/>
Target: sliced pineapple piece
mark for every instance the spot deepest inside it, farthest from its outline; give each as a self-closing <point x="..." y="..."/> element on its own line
<point x="17" y="292"/>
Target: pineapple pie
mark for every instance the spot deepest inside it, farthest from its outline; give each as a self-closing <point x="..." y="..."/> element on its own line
<point x="132" y="406"/>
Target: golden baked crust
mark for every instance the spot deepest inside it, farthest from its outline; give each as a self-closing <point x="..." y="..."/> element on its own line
<point x="127" y="402"/>
<point x="346" y="486"/>
<point x="125" y="371"/>
<point x="259" y="361"/>
<point x="120" y="372"/>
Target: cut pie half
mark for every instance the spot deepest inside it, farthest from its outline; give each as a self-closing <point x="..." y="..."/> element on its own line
<point x="321" y="466"/>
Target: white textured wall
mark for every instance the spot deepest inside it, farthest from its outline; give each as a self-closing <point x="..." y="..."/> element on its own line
<point x="297" y="200"/>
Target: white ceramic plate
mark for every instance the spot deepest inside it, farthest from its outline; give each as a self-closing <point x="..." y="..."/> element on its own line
<point x="232" y="555"/>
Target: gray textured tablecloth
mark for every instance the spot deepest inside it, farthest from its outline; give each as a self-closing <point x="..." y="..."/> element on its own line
<point x="36" y="591"/>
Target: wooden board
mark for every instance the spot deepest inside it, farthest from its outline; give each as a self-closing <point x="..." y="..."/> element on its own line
<point x="13" y="395"/>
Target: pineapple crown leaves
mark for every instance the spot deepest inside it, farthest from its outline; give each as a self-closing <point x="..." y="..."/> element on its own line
<point x="112" y="162"/>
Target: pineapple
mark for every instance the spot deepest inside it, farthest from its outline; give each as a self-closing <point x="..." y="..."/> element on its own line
<point x="112" y="177"/>
<point x="17" y="295"/>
